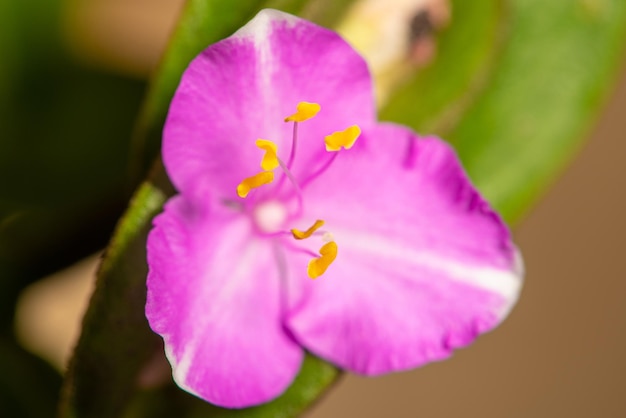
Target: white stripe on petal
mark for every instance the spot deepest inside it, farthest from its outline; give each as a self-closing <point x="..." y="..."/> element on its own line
<point x="259" y="27"/>
<point x="259" y="31"/>
<point x="504" y="282"/>
<point x="180" y="369"/>
<point x="237" y="273"/>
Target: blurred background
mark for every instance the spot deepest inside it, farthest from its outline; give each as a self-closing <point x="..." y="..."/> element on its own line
<point x="560" y="353"/>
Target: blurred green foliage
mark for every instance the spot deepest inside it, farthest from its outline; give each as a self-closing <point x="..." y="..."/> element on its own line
<point x="515" y="86"/>
<point x="558" y="64"/>
<point x="64" y="151"/>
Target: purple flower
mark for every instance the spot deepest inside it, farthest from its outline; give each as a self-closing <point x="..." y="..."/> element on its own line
<point x="410" y="262"/>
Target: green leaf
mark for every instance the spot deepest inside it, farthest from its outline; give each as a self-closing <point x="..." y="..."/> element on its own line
<point x="116" y="341"/>
<point x="436" y="96"/>
<point x="314" y="378"/>
<point x="515" y="88"/>
<point x="558" y="64"/>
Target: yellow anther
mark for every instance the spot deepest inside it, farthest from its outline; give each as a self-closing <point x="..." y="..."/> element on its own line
<point x="297" y="234"/>
<point x="318" y="266"/>
<point x="270" y="158"/>
<point x="345" y="138"/>
<point x="258" y="180"/>
<point x="304" y="111"/>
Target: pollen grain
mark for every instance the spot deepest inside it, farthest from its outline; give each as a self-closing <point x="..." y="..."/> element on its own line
<point x="345" y="138"/>
<point x="270" y="158"/>
<point x="258" y="180"/>
<point x="297" y="234"/>
<point x="304" y="111"/>
<point x="318" y="266"/>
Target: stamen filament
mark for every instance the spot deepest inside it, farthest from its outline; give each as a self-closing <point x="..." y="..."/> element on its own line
<point x="293" y="181"/>
<point x="320" y="170"/>
<point x="281" y="262"/>
<point x="297" y="249"/>
<point x="294" y="145"/>
<point x="289" y="176"/>
<point x="292" y="154"/>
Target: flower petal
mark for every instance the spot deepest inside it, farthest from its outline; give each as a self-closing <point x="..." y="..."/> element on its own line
<point x="214" y="296"/>
<point x="424" y="264"/>
<point x="241" y="89"/>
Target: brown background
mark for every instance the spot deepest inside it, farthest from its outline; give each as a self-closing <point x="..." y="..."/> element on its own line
<point x="561" y="353"/>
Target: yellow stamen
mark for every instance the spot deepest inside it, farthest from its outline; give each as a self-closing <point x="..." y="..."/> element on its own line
<point x="270" y="158"/>
<point x="258" y="180"/>
<point x="318" y="266"/>
<point x="297" y="234"/>
<point x="345" y="138"/>
<point x="305" y="111"/>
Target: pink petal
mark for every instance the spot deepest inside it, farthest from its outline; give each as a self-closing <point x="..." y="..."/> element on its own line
<point x="424" y="264"/>
<point x="241" y="89"/>
<point x="214" y="296"/>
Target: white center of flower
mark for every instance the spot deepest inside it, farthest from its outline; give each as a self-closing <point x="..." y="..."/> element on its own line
<point x="270" y="216"/>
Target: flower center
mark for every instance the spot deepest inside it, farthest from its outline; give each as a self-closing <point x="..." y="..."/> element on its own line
<point x="270" y="216"/>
